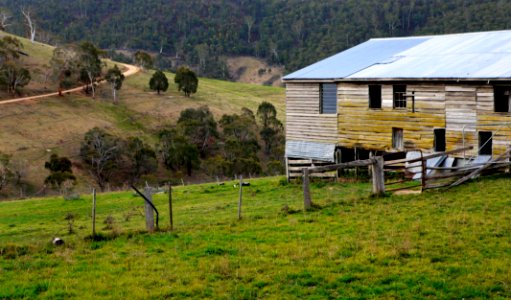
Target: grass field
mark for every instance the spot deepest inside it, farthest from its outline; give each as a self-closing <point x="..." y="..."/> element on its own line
<point x="452" y="244"/>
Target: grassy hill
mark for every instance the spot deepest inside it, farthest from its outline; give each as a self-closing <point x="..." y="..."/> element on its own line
<point x="31" y="131"/>
<point x="441" y="245"/>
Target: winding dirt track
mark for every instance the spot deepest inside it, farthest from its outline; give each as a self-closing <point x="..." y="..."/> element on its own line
<point x="130" y="71"/>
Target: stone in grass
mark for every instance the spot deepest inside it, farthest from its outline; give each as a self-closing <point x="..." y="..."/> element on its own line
<point x="57" y="241"/>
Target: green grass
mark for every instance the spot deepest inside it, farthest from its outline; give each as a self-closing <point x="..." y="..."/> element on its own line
<point x="441" y="245"/>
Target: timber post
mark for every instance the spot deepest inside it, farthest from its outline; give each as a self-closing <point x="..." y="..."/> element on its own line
<point x="149" y="212"/>
<point x="93" y="212"/>
<point x="171" y="217"/>
<point x="240" y="197"/>
<point x="307" y="201"/>
<point x="424" y="173"/>
<point x="378" y="176"/>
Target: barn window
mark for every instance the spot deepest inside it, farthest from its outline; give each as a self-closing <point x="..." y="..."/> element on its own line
<point x="397" y="138"/>
<point x="439" y="139"/>
<point x="501" y="98"/>
<point x="399" y="92"/>
<point x="485" y="143"/>
<point x="328" y="98"/>
<point x="374" y="96"/>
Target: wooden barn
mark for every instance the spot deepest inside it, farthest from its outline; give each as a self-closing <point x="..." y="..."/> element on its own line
<point x="433" y="93"/>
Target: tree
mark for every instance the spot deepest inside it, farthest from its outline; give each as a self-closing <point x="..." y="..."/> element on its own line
<point x="30" y="24"/>
<point x="159" y="82"/>
<point x="14" y="77"/>
<point x="65" y="66"/>
<point x="5" y="171"/>
<point x="177" y="152"/>
<point x="90" y="64"/>
<point x="12" y="74"/>
<point x="186" y="81"/>
<point x="115" y="77"/>
<point x="60" y="171"/>
<point x="4" y="20"/>
<point x="271" y="128"/>
<point x="141" y="158"/>
<point x="199" y="126"/>
<point x="143" y="60"/>
<point x="240" y="143"/>
<point x="102" y="152"/>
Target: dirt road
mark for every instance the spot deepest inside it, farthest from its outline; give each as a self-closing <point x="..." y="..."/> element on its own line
<point x="130" y="71"/>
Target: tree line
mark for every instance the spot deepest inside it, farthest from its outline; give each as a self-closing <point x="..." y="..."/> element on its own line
<point x="247" y="144"/>
<point x="294" y="33"/>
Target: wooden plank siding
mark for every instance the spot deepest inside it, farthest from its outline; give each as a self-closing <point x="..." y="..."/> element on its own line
<point x="303" y="120"/>
<point x="457" y="107"/>
<point x="487" y="118"/>
<point x="360" y="126"/>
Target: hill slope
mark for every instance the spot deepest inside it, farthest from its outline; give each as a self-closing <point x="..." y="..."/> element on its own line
<point x="32" y="130"/>
<point x="439" y="245"/>
<point x="294" y="33"/>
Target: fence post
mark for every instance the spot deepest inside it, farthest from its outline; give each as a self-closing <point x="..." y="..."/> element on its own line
<point x="149" y="212"/>
<point x="378" y="176"/>
<point x="240" y="198"/>
<point x="307" y="201"/>
<point x="93" y="212"/>
<point x="171" y="217"/>
<point x="423" y="173"/>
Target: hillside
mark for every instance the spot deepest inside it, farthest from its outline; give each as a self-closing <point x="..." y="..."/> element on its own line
<point x="442" y="245"/>
<point x="33" y="130"/>
<point x="293" y="33"/>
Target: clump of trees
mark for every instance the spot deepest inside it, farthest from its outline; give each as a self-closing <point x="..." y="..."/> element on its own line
<point x="238" y="144"/>
<point x="60" y="171"/>
<point x="13" y="75"/>
<point x="186" y="81"/>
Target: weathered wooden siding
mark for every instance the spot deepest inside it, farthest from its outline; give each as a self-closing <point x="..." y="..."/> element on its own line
<point x="461" y="116"/>
<point x="360" y="126"/>
<point x="497" y="122"/>
<point x="303" y="120"/>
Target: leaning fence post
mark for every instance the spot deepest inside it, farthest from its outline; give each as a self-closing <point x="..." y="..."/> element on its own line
<point x="93" y="212"/>
<point x="149" y="212"/>
<point x="240" y="197"/>
<point x="378" y="176"/>
<point x="307" y="202"/>
<point x="171" y="218"/>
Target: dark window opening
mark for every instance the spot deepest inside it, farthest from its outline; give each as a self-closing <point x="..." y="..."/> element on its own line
<point x="439" y="139"/>
<point x="501" y="98"/>
<point x="485" y="143"/>
<point x="399" y="92"/>
<point x="328" y="98"/>
<point x="397" y="138"/>
<point x="374" y="96"/>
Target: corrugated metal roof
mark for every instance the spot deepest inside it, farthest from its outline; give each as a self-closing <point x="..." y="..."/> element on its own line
<point x="311" y="150"/>
<point x="479" y="55"/>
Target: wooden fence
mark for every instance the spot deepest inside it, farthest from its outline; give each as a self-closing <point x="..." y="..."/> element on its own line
<point x="413" y="173"/>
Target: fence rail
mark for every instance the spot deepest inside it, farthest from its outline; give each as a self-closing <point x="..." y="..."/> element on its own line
<point x="417" y="173"/>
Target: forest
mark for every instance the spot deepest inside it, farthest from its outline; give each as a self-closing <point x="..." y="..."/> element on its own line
<point x="291" y="33"/>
